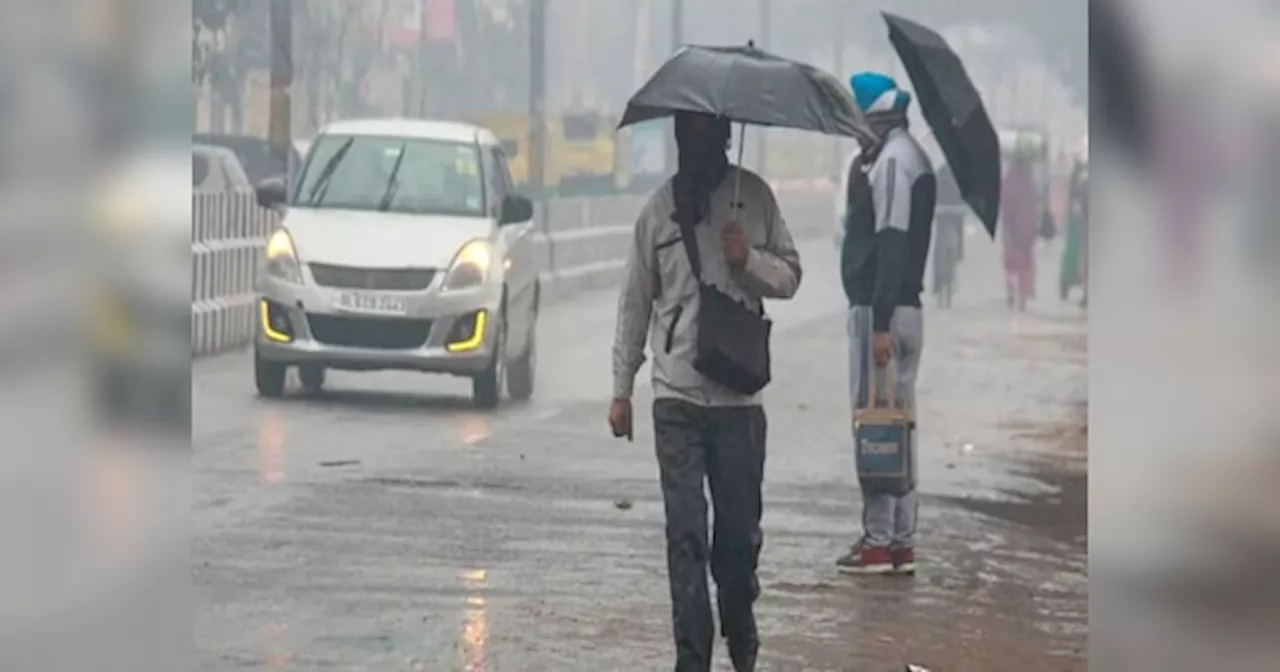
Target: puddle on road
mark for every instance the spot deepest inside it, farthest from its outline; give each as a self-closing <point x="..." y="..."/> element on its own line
<point x="1060" y="513"/>
<point x="1003" y="590"/>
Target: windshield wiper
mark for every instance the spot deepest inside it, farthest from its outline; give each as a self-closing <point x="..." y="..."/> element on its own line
<point x="393" y="183"/>
<point x="321" y="186"/>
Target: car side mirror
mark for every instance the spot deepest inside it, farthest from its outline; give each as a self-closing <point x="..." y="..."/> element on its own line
<point x="510" y="148"/>
<point x="272" y="192"/>
<point x="516" y="209"/>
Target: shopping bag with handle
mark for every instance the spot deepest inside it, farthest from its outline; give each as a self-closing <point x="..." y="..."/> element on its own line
<point x="883" y="435"/>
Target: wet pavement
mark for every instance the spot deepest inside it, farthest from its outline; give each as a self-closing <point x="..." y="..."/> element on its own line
<point x="385" y="525"/>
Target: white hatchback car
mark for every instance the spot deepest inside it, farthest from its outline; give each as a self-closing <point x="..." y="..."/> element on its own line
<point x="403" y="246"/>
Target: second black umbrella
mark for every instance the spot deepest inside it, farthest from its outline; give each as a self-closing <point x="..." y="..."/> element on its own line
<point x="950" y="103"/>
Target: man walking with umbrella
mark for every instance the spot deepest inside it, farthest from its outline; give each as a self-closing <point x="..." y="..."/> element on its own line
<point x="718" y="224"/>
<point x="709" y="246"/>
<point x="892" y="195"/>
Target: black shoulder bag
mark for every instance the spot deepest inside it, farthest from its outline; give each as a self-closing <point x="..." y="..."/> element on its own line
<point x="733" y="340"/>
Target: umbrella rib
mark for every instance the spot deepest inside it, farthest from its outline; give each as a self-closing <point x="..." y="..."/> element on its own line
<point x="728" y="78"/>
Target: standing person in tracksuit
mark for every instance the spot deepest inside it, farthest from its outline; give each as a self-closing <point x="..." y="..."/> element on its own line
<point x="886" y="245"/>
<point x="704" y="432"/>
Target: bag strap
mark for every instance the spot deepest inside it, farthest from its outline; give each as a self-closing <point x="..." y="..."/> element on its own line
<point x="689" y="237"/>
<point x="871" y="371"/>
<point x="891" y="375"/>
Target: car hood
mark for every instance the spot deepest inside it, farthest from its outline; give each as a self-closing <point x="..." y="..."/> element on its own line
<point x="381" y="239"/>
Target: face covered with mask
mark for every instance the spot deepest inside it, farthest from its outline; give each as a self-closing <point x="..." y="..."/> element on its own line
<point x="702" y="141"/>
<point x="883" y="103"/>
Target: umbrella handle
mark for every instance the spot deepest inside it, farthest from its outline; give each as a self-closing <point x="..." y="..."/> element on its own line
<point x="737" y="176"/>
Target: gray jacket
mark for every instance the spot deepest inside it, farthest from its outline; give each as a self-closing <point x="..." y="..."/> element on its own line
<point x="659" y="298"/>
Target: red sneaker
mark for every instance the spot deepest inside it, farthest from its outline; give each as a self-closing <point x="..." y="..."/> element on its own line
<point x="866" y="560"/>
<point x="904" y="561"/>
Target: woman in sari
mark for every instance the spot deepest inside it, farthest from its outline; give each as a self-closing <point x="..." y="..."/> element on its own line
<point x="1019" y="226"/>
<point x="1077" y="212"/>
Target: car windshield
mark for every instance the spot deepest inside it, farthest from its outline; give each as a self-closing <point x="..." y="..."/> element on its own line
<point x="389" y="174"/>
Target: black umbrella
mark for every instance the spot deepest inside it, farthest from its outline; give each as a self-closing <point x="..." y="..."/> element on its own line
<point x="950" y="103"/>
<point x="748" y="86"/>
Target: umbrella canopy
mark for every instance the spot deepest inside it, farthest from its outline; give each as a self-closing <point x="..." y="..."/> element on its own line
<point x="950" y="103"/>
<point x="749" y="86"/>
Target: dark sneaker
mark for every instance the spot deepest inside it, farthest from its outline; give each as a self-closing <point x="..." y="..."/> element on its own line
<point x="904" y="561"/>
<point x="866" y="560"/>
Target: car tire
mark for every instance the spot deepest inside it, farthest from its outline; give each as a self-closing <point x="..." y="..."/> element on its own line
<point x="522" y="372"/>
<point x="312" y="377"/>
<point x="268" y="376"/>
<point x="486" y="388"/>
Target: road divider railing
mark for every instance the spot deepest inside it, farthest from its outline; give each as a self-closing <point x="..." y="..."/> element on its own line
<point x="583" y="243"/>
<point x="228" y="237"/>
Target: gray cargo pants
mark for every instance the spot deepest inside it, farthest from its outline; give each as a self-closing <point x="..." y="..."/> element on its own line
<point x="724" y="446"/>
<point x="887" y="520"/>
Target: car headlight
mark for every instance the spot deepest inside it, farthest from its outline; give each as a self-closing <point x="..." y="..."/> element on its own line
<point x="470" y="266"/>
<point x="282" y="260"/>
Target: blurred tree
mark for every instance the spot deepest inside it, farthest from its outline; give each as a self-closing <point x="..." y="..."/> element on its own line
<point x="229" y="38"/>
<point x="362" y="50"/>
<point x="208" y="18"/>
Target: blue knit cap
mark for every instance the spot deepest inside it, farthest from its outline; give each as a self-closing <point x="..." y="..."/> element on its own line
<point x="876" y="92"/>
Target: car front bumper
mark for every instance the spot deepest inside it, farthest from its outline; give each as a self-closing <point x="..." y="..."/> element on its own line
<point x="438" y="334"/>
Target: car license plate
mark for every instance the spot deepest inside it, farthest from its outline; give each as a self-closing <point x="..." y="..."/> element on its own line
<point x="379" y="304"/>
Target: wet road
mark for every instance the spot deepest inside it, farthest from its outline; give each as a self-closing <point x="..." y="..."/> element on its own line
<point x="385" y="525"/>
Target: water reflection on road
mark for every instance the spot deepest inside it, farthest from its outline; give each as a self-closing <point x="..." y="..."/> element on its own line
<point x="475" y="625"/>
<point x="272" y="438"/>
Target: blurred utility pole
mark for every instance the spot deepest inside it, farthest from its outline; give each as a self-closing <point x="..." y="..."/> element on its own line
<point x="279" y="135"/>
<point x="423" y="66"/>
<point x="766" y="42"/>
<point x="538" y="96"/>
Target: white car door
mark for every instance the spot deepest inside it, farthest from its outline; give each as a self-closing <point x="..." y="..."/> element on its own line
<point x="522" y="269"/>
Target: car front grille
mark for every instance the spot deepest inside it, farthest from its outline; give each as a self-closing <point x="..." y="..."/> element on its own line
<point x="381" y="333"/>
<point x="390" y="279"/>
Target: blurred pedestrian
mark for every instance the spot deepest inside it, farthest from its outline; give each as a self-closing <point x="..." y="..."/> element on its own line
<point x="1074" y="252"/>
<point x="886" y="245"/>
<point x="705" y="433"/>
<point x="1020" y="218"/>
<point x="948" y="236"/>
